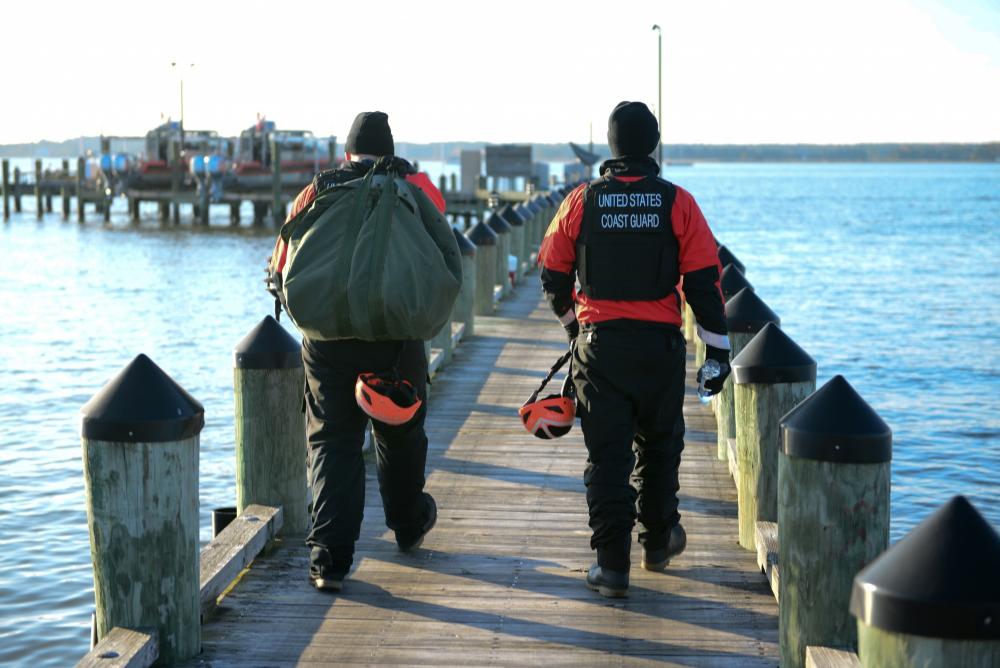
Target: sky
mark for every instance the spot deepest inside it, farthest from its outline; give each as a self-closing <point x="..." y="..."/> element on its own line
<point x="769" y="71"/>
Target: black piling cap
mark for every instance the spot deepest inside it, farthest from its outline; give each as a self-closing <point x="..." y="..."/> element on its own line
<point x="526" y="209"/>
<point x="726" y="257"/>
<point x="268" y="346"/>
<point x="511" y="216"/>
<point x="142" y="404"/>
<point x="746" y="312"/>
<point x="465" y="247"/>
<point x="483" y="235"/>
<point x="940" y="581"/>
<point x="834" y="424"/>
<point x="552" y="199"/>
<point x="498" y="224"/>
<point x="733" y="281"/>
<point x="771" y="357"/>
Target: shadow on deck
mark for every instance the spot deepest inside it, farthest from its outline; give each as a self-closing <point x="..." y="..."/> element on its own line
<point x="499" y="581"/>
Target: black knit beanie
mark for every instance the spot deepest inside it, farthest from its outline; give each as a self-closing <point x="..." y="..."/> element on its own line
<point x="632" y="130"/>
<point x="370" y="135"/>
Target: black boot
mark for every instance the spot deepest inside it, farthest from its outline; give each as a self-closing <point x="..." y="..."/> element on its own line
<point x="657" y="559"/>
<point x="612" y="584"/>
<point x="408" y="541"/>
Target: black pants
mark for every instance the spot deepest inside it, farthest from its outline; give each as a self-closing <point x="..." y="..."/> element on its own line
<point x="629" y="380"/>
<point x="335" y="431"/>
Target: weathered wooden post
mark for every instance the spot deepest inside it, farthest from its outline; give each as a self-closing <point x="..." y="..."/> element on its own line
<point x="17" y="190"/>
<point x="933" y="598"/>
<point x="39" y="204"/>
<point x="206" y="195"/>
<point x="140" y="437"/>
<point x="453" y="182"/>
<point x="443" y="184"/>
<point x="502" y="229"/>
<point x="64" y="190"/>
<point x="277" y="206"/>
<point x="234" y="214"/>
<point x="175" y="181"/>
<point x="529" y="212"/>
<point x="465" y="306"/>
<point x="515" y="246"/>
<point x="80" y="171"/>
<point x="270" y="425"/>
<point x="730" y="282"/>
<point x="5" y="188"/>
<point x="771" y="376"/>
<point x="746" y="314"/>
<point x="833" y="514"/>
<point x="485" y="240"/>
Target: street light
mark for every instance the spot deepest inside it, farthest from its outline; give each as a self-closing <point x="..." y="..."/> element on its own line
<point x="659" y="91"/>
<point x="180" y="70"/>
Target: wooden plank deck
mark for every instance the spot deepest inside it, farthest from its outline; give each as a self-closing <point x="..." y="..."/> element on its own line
<point x="500" y="580"/>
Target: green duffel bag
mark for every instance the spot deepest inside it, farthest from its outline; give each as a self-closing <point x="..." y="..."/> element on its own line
<point x="371" y="259"/>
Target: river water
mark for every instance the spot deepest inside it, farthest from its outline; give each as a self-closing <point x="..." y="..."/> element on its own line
<point x="887" y="274"/>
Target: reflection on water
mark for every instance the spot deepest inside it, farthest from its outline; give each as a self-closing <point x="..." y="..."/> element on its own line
<point x="886" y="274"/>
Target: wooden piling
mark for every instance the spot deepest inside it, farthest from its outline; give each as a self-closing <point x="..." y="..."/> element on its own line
<point x="277" y="206"/>
<point x="746" y="314"/>
<point x="270" y="426"/>
<point x="442" y="341"/>
<point x="80" y="171"/>
<point x="205" y="193"/>
<point x="39" y="203"/>
<point x="933" y="598"/>
<point x="64" y="190"/>
<point x="175" y="182"/>
<point x="465" y="306"/>
<point x="515" y="245"/>
<point x="485" y="240"/>
<point x="771" y="376"/>
<point x="5" y="188"/>
<point x="833" y="514"/>
<point x="17" y="190"/>
<point x="140" y="437"/>
<point x="502" y="230"/>
<point x="234" y="214"/>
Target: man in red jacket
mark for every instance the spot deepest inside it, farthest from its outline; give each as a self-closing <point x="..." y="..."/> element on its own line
<point x="336" y="424"/>
<point x="629" y="238"/>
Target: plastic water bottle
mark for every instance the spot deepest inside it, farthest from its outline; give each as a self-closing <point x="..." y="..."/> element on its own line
<point x="709" y="370"/>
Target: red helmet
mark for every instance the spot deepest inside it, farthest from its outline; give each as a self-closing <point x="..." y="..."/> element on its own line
<point x="387" y="398"/>
<point x="551" y="416"/>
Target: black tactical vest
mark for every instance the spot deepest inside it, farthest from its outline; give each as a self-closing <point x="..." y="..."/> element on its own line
<point x="626" y="249"/>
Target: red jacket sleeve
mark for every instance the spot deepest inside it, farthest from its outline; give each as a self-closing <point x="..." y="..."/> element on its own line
<point x="558" y="249"/>
<point x="422" y="181"/>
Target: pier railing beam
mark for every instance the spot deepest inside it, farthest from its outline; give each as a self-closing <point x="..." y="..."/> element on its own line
<point x="270" y="426"/>
<point x="833" y="514"/>
<point x="771" y="376"/>
<point x="140" y="438"/>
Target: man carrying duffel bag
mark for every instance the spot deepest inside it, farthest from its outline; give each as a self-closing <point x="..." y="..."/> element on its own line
<point x="367" y="268"/>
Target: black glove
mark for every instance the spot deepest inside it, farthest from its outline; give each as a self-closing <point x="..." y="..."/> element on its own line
<point x="572" y="330"/>
<point x="714" y="385"/>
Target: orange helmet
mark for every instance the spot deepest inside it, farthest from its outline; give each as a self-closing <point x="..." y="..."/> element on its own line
<point x="551" y="416"/>
<point x="387" y="398"/>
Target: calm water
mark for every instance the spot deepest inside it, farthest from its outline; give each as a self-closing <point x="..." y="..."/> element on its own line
<point x="885" y="274"/>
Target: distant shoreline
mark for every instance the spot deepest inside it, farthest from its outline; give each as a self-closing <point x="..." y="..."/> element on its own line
<point x="892" y="152"/>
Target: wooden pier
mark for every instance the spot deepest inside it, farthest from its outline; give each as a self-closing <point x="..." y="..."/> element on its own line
<point x="500" y="580"/>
